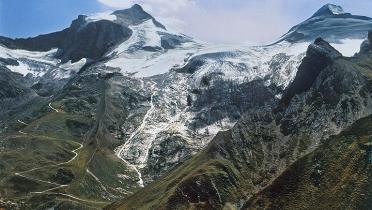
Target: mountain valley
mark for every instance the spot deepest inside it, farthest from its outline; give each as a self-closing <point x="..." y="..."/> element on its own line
<point x="118" y="112"/>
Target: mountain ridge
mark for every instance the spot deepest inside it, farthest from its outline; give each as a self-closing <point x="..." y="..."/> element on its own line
<point x="78" y="40"/>
<point x="241" y="162"/>
<point x="329" y="9"/>
<point x="330" y="25"/>
<point x="161" y="113"/>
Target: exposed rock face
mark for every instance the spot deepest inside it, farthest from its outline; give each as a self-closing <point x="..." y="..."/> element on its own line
<point x="81" y="40"/>
<point x="149" y="99"/>
<point x="15" y="95"/>
<point x="319" y="55"/>
<point x="11" y="84"/>
<point x="169" y="41"/>
<point x="241" y="162"/>
<point x="86" y="39"/>
<point x="134" y="16"/>
<point x="91" y="40"/>
<point x="366" y="46"/>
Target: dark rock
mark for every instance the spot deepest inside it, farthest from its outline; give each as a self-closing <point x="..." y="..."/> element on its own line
<point x="77" y="128"/>
<point x="366" y="46"/>
<point x="11" y="84"/>
<point x="193" y="65"/>
<point x="85" y="39"/>
<point x="318" y="56"/>
<point x="134" y="16"/>
<point x="9" y="61"/>
<point x="63" y="176"/>
<point x="92" y="40"/>
<point x="170" y="41"/>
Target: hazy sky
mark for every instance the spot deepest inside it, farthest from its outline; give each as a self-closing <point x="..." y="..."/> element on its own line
<point x="220" y="21"/>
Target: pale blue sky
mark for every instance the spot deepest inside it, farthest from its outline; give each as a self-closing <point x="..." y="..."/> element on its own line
<point x="222" y="21"/>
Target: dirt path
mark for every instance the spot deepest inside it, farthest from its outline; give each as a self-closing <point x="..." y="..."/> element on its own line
<point x="54" y="109"/>
<point x="57" y="186"/>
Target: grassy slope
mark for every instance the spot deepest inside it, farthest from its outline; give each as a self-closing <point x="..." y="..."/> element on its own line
<point x="205" y="168"/>
<point x="344" y="183"/>
<point x="38" y="146"/>
<point x="335" y="176"/>
<point x="96" y="177"/>
<point x="22" y="153"/>
<point x="47" y="141"/>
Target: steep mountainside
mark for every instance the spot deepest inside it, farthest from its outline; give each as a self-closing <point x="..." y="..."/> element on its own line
<point x="93" y="113"/>
<point x="87" y="37"/>
<point x="205" y="91"/>
<point x="337" y="175"/>
<point x="241" y="162"/>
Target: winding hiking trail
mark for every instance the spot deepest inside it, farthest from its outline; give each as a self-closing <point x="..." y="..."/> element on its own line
<point x="57" y="186"/>
<point x="20" y="121"/>
<point x="50" y="166"/>
<point x="21" y="174"/>
<point x="23" y="123"/>
<point x="54" y="109"/>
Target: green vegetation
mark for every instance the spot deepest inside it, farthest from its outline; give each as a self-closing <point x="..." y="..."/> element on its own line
<point x="335" y="176"/>
<point x="197" y="183"/>
<point x="25" y="152"/>
<point x="53" y="165"/>
<point x="60" y="126"/>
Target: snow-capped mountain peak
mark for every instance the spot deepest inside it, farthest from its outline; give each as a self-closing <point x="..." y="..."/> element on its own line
<point x="126" y="17"/>
<point x="329" y="9"/>
<point x="134" y="16"/>
<point x="331" y="23"/>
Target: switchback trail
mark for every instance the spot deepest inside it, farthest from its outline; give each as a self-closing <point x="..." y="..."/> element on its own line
<point x="57" y="186"/>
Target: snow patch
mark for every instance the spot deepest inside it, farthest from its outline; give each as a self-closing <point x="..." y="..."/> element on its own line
<point x="131" y="58"/>
<point x="348" y="47"/>
<point x="22" y="68"/>
<point x="43" y="57"/>
<point x="145" y="34"/>
<point x="68" y="68"/>
<point x="250" y="63"/>
<point x="101" y="16"/>
<point x="39" y="63"/>
<point x="35" y="63"/>
<point x="74" y="66"/>
<point x="146" y="64"/>
<point x="336" y="10"/>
